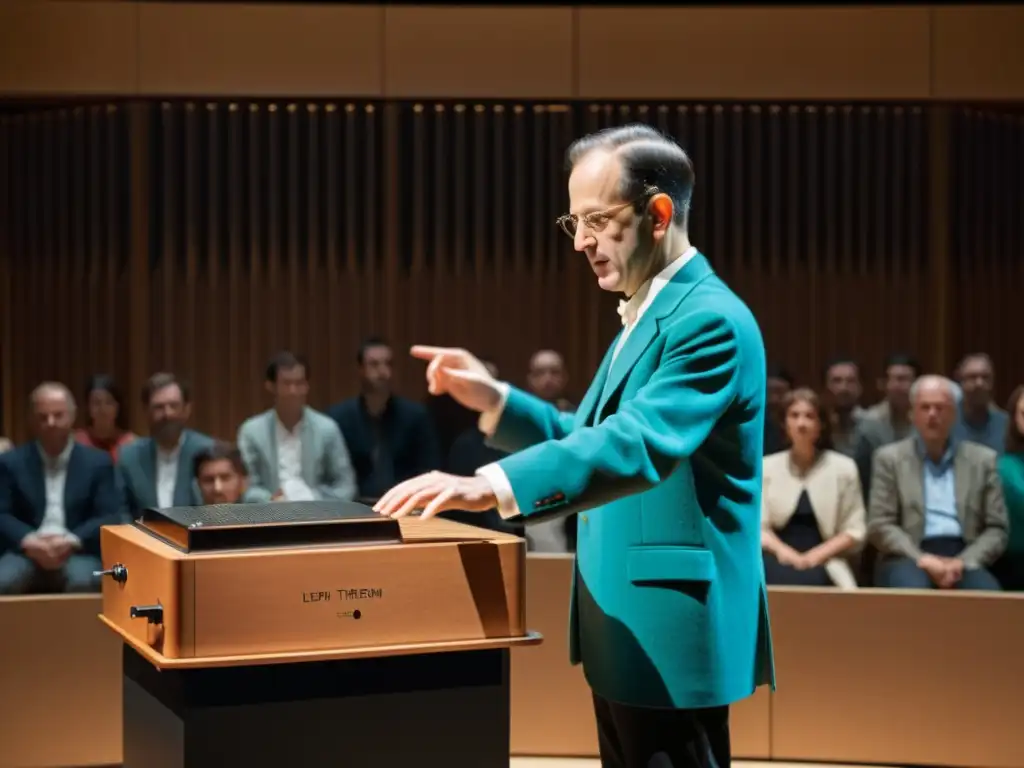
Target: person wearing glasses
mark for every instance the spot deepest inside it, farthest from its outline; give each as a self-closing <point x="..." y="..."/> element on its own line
<point x="662" y="462"/>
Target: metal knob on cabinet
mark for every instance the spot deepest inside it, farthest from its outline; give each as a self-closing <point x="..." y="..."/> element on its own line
<point x="117" y="572"/>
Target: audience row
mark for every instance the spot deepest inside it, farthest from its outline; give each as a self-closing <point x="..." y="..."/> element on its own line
<point x="908" y="493"/>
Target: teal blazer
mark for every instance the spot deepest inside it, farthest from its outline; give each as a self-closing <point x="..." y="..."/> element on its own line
<point x="663" y="460"/>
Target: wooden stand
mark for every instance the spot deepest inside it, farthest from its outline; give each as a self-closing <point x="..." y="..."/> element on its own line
<point x="313" y="635"/>
<point x="446" y="705"/>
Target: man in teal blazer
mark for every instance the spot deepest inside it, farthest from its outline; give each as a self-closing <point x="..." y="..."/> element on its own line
<point x="662" y="460"/>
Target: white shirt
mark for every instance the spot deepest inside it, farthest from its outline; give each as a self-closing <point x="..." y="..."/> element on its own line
<point x="55" y="473"/>
<point x="167" y="474"/>
<point x="631" y="311"/>
<point x="289" y="463"/>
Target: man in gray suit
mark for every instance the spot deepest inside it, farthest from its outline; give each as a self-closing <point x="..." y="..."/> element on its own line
<point x="292" y="452"/>
<point x="156" y="471"/>
<point x="936" y="512"/>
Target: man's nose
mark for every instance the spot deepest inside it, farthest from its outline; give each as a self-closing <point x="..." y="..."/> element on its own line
<point x="581" y="239"/>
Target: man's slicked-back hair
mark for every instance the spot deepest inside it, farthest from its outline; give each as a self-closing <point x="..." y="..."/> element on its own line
<point x="648" y="159"/>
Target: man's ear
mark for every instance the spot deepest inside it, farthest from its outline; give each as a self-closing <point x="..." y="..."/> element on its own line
<point x="661" y="209"/>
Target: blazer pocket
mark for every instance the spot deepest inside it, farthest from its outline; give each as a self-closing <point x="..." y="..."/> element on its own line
<point x="667" y="563"/>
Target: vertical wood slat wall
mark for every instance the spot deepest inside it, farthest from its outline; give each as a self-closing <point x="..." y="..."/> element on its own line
<point x="308" y="225"/>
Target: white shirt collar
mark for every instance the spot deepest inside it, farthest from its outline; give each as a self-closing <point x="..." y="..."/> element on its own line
<point x="630" y="310"/>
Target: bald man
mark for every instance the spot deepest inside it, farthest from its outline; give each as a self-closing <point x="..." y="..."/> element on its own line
<point x="936" y="512"/>
<point x="55" y="495"/>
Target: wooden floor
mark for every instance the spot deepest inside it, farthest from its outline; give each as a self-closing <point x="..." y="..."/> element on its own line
<point x="567" y="762"/>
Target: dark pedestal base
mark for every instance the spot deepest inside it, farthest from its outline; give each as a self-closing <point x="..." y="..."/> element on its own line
<point x="449" y="709"/>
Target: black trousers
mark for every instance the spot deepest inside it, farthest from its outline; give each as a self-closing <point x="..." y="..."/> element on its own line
<point x="640" y="737"/>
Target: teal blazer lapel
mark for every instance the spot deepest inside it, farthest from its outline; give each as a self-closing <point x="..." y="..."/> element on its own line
<point x="586" y="408"/>
<point x="647" y="327"/>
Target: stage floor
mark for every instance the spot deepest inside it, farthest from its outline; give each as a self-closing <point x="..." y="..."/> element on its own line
<point x="579" y="762"/>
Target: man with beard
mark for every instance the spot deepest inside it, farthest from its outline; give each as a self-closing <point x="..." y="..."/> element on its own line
<point x="980" y="420"/>
<point x="842" y="381"/>
<point x="157" y="471"/>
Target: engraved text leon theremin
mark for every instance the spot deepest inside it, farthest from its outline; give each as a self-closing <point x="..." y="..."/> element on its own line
<point x="328" y="595"/>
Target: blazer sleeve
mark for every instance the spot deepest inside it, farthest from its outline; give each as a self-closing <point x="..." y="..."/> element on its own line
<point x="525" y="420"/>
<point x="106" y="506"/>
<point x="884" y="528"/>
<point x="851" y="517"/>
<point x="248" y="446"/>
<point x="995" y="526"/>
<point x="339" y="479"/>
<point x="12" y="529"/>
<point x="641" y="444"/>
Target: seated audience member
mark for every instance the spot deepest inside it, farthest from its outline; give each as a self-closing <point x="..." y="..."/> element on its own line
<point x="547" y="378"/>
<point x="292" y="452"/>
<point x="1010" y="568"/>
<point x="979" y="419"/>
<point x="157" y="471"/>
<point x="843" y="388"/>
<point x="106" y="421"/>
<point x="54" y="497"/>
<point x="390" y="438"/>
<point x="779" y="384"/>
<point x="222" y="476"/>
<point x="470" y="452"/>
<point x="812" y="507"/>
<point x="936" y="515"/>
<point x="889" y="420"/>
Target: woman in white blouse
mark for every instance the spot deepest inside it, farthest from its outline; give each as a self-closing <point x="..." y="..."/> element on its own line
<point x="812" y="510"/>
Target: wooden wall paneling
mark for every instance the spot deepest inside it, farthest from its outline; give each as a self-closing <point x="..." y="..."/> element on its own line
<point x="467" y="52"/>
<point x="66" y="251"/>
<point x="49" y="48"/>
<point x="295" y="50"/>
<point x="138" y="318"/>
<point x="882" y="692"/>
<point x="754" y="53"/>
<point x="986" y="203"/>
<point x="8" y="217"/>
<point x="260" y="49"/>
<point x="978" y="52"/>
<point x="311" y="224"/>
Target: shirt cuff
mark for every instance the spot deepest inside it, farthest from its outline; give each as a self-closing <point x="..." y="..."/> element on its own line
<point x="488" y="423"/>
<point x="495" y="475"/>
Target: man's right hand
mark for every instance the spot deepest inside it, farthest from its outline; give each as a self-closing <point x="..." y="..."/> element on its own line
<point x="458" y="373"/>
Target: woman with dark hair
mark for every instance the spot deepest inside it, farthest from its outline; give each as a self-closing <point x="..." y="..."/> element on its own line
<point x="1010" y="568"/>
<point x="812" y="509"/>
<point x="105" y="425"/>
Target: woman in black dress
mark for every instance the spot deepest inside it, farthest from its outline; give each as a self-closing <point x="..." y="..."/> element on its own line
<point x="812" y="506"/>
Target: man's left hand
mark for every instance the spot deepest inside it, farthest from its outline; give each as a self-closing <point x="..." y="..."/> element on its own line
<point x="436" y="492"/>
